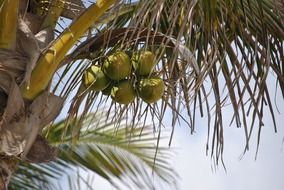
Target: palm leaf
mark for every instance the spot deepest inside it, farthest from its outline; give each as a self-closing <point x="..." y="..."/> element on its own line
<point x="233" y="46"/>
<point x="108" y="150"/>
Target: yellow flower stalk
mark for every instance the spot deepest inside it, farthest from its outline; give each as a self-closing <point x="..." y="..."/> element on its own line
<point x="8" y="23"/>
<point x="50" y="60"/>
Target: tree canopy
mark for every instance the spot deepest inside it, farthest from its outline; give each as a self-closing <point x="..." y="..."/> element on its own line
<point x="208" y="54"/>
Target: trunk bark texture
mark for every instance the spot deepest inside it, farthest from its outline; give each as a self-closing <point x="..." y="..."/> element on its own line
<point x="23" y="117"/>
<point x="20" y="120"/>
<point x="7" y="167"/>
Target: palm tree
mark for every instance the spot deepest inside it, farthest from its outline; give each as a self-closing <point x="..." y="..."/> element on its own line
<point x="207" y="50"/>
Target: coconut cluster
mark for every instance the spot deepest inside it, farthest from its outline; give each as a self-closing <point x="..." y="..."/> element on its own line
<point x="113" y="77"/>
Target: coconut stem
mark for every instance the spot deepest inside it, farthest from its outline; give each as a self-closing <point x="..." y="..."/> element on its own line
<point x="51" y="58"/>
<point x="8" y="23"/>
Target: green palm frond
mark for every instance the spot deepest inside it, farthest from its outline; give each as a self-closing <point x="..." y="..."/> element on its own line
<point x="56" y="176"/>
<point x="113" y="152"/>
<point x="41" y="176"/>
<point x="212" y="53"/>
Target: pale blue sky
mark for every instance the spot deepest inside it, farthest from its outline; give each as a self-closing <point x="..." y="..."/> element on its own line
<point x="195" y="168"/>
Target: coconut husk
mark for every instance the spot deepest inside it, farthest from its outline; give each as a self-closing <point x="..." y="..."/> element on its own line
<point x="28" y="45"/>
<point x="44" y="37"/>
<point x="12" y="67"/>
<point x="41" y="151"/>
<point x="23" y="5"/>
<point x="21" y="124"/>
<point x="13" y="130"/>
<point x="33" y="22"/>
<point x="3" y="102"/>
<point x="7" y="166"/>
<point x="15" y="104"/>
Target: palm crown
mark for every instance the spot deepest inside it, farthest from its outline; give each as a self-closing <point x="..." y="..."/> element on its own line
<point x="209" y="54"/>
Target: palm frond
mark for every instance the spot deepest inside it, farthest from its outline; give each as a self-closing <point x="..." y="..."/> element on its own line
<point x="111" y="151"/>
<point x="234" y="46"/>
<point x="54" y="176"/>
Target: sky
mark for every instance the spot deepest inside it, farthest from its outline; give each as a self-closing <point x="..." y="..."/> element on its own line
<point x="196" y="169"/>
<point x="247" y="173"/>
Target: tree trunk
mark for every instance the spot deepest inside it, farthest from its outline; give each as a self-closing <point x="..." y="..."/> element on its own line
<point x="26" y="106"/>
<point x="7" y="164"/>
<point x="7" y="167"/>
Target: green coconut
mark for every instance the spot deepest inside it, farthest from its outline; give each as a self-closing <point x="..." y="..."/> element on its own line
<point x="95" y="79"/>
<point x="143" y="62"/>
<point x="117" y="66"/>
<point x="123" y="92"/>
<point x="151" y="89"/>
